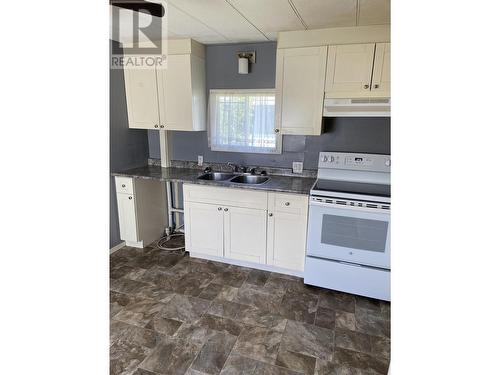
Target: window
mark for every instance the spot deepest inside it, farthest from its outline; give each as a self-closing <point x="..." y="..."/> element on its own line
<point x="243" y="121"/>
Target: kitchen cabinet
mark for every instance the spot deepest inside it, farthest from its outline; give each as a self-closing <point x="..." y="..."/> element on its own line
<point x="287" y="230"/>
<point x="358" y="71"/>
<point x="170" y="96"/>
<point x="300" y="83"/>
<point x="204" y="228"/>
<point x="245" y="234"/>
<point x="250" y="227"/>
<point x="141" y="210"/>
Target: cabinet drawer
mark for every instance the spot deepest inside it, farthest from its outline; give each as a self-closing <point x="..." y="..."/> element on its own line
<point x="124" y="185"/>
<point x="226" y="196"/>
<point x="290" y="203"/>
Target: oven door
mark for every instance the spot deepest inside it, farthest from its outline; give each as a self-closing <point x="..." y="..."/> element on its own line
<point x="351" y="234"/>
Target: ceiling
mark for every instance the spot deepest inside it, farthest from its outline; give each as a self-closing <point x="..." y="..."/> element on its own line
<point x="236" y="21"/>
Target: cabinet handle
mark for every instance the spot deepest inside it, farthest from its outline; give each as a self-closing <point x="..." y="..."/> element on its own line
<point x="366" y="86"/>
<point x="276" y="130"/>
<point x="225" y="209"/>
<point x="129" y="197"/>
<point x="156" y="126"/>
<point x="161" y="126"/>
<point x="270" y="214"/>
<point x="219" y="208"/>
<point x="123" y="185"/>
<point x="287" y="203"/>
<point x="375" y="86"/>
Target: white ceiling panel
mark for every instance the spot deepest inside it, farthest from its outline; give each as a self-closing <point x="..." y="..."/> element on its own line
<point x="270" y="16"/>
<point x="374" y="12"/>
<point x="318" y="14"/>
<point x="221" y="17"/>
<point x="182" y="25"/>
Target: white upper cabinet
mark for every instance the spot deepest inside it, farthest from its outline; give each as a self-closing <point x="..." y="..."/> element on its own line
<point x="171" y="96"/>
<point x="358" y="71"/>
<point x="381" y="81"/>
<point x="142" y="98"/>
<point x="300" y="82"/>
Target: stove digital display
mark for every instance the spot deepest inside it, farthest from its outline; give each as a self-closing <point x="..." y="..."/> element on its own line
<point x="358" y="160"/>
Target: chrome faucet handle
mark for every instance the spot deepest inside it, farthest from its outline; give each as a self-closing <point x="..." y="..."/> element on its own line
<point x="207" y="169"/>
<point x="244" y="169"/>
<point x="253" y="170"/>
<point x="263" y="173"/>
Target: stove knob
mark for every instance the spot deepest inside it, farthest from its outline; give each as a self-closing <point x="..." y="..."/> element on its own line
<point x="325" y="158"/>
<point x="332" y="159"/>
<point x="388" y="163"/>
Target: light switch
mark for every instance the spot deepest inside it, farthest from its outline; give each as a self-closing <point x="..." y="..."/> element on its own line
<point x="200" y="160"/>
<point x="297" y="167"/>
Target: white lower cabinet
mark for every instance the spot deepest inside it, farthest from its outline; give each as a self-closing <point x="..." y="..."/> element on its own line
<point x="245" y="234"/>
<point x="141" y="210"/>
<point x="287" y="230"/>
<point x="203" y="225"/>
<point x="273" y="234"/>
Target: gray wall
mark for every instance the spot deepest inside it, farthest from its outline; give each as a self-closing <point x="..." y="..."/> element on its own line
<point x="128" y="147"/>
<point x="370" y="135"/>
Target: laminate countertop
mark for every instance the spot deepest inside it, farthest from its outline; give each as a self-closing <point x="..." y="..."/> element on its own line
<point x="287" y="184"/>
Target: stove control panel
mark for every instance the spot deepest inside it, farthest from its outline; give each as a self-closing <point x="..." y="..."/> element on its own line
<point x="354" y="161"/>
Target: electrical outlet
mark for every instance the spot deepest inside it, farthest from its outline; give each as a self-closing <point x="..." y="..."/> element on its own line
<point x="200" y="160"/>
<point x="297" y="167"/>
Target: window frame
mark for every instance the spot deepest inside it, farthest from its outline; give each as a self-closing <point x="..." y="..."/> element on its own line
<point x="211" y="104"/>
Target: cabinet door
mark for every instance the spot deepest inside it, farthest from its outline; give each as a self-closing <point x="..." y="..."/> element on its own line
<point x="142" y="98"/>
<point x="175" y="94"/>
<point x="287" y="229"/>
<point x="204" y="224"/>
<point x="126" y="217"/>
<point x="300" y="82"/>
<point x="381" y="80"/>
<point x="245" y="234"/>
<point x="349" y="70"/>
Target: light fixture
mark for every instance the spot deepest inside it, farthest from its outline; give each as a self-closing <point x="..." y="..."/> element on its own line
<point x="244" y="60"/>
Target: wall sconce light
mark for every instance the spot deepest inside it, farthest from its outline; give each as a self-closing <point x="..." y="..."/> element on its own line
<point x="244" y="60"/>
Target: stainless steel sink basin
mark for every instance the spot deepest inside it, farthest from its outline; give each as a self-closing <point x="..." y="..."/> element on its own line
<point x="249" y="179"/>
<point x="216" y="176"/>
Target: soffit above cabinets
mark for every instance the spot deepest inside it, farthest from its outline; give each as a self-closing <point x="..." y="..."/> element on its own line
<point x="236" y="21"/>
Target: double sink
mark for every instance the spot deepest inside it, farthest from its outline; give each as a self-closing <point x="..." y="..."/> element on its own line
<point x="234" y="178"/>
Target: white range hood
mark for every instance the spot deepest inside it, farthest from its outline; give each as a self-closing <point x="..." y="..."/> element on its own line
<point x="359" y="107"/>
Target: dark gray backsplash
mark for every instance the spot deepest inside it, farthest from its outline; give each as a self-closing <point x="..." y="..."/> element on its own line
<point x="369" y="135"/>
<point x="128" y="147"/>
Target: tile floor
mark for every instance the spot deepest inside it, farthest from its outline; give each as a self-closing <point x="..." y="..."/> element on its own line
<point x="172" y="314"/>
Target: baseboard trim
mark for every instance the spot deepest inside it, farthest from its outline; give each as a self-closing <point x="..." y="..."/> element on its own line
<point x="264" y="267"/>
<point x="117" y="247"/>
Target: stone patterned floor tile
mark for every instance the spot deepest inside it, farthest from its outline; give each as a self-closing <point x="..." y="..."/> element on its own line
<point x="345" y="320"/>
<point x="296" y="361"/>
<point x="121" y="332"/>
<point x="325" y="318"/>
<point x="171" y="357"/>
<point x="337" y="301"/>
<point x="299" y="306"/>
<point x="268" y="369"/>
<point x="308" y="339"/>
<point x="214" y="353"/>
<point x="352" y="340"/>
<point x="140" y="312"/>
<point x="256" y="317"/>
<point x="239" y="365"/>
<point x="362" y="361"/>
<point x="258" y="343"/>
<point x="257" y="277"/>
<point x="184" y="308"/>
<point x="172" y="314"/>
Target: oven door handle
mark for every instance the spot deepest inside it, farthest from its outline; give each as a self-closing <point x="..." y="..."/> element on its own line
<point x="348" y="207"/>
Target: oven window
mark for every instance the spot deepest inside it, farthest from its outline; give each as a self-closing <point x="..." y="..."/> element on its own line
<point x="354" y="233"/>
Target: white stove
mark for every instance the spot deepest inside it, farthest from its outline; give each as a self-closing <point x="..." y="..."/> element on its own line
<point x="348" y="240"/>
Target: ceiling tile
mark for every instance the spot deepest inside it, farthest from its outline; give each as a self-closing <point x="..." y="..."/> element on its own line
<point x="183" y="25"/>
<point x="220" y="16"/>
<point x="269" y="16"/>
<point x="374" y="12"/>
<point x="327" y="13"/>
